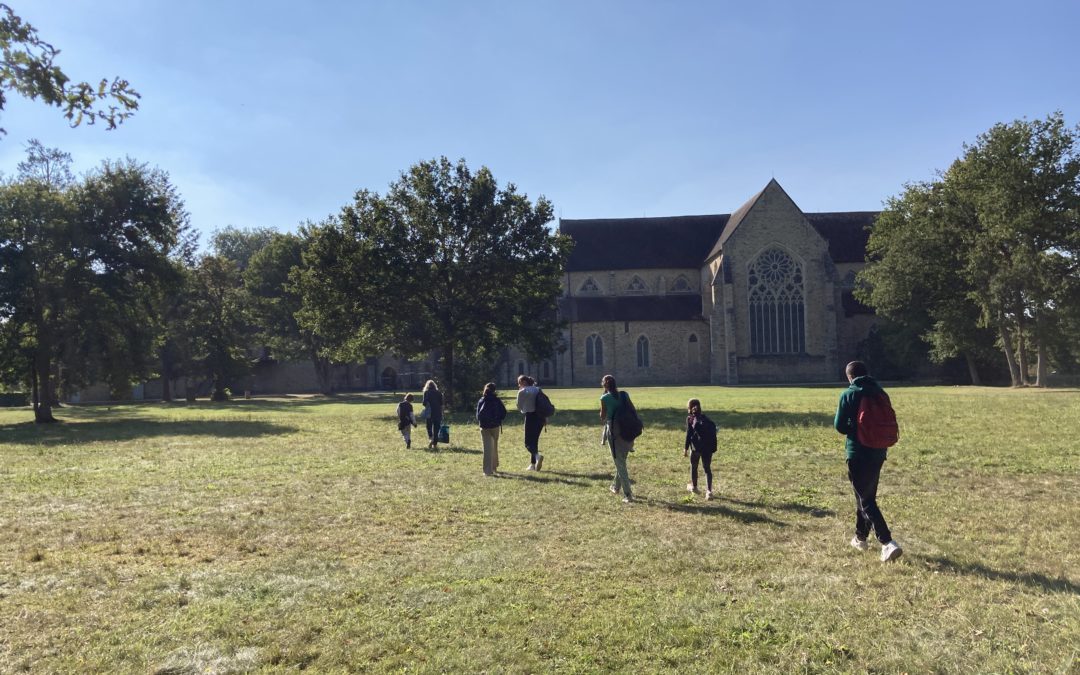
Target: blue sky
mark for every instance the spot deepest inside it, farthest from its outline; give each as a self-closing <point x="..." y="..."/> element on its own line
<point x="271" y="113"/>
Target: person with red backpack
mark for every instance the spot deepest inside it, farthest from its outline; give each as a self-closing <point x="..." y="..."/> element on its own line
<point x="865" y="415"/>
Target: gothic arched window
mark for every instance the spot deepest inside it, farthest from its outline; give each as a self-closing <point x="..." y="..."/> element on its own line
<point x="681" y="285"/>
<point x="777" y="312"/>
<point x="637" y="286"/>
<point x="594" y="351"/>
<point x="693" y="351"/>
<point x="643" y="352"/>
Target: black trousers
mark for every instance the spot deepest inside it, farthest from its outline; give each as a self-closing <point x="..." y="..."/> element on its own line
<point x="433" y="424"/>
<point x="706" y="463"/>
<point x="863" y="472"/>
<point x="534" y="424"/>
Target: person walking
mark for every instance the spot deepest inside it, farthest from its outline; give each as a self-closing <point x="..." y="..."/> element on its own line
<point x="490" y="413"/>
<point x="865" y="462"/>
<point x="534" y="424"/>
<point x="406" y="420"/>
<point x="433" y="401"/>
<point x="701" y="436"/>
<point x="610" y="402"/>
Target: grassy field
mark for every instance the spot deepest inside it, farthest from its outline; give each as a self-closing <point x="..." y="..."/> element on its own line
<point x="281" y="534"/>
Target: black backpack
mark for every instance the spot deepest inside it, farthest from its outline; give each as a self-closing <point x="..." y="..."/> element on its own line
<point x="705" y="434"/>
<point x="626" y="417"/>
<point x="491" y="416"/>
<point x="544" y="407"/>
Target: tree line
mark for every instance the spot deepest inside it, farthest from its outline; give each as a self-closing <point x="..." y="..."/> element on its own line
<point x="101" y="280"/>
<point x="983" y="262"/>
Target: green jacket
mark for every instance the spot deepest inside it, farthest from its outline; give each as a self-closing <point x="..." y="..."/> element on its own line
<point x="847" y="412"/>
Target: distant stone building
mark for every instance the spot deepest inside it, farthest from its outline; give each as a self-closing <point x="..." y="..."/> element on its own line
<point x="763" y="295"/>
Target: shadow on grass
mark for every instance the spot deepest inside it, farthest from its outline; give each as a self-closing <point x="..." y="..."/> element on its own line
<point x="812" y="511"/>
<point x="455" y="449"/>
<point x="1033" y="579"/>
<point x="715" y="509"/>
<point x="674" y="419"/>
<point x="545" y="477"/>
<point x="126" y="429"/>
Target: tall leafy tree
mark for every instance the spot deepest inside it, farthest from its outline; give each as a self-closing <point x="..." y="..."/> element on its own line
<point x="996" y="242"/>
<point x="276" y="301"/>
<point x="240" y="244"/>
<point x="218" y="323"/>
<point x="80" y="268"/>
<point x="28" y="68"/>
<point x="1023" y="182"/>
<point x="914" y="276"/>
<point x="446" y="260"/>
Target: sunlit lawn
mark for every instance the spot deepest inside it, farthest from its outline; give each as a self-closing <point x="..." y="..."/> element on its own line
<point x="286" y="533"/>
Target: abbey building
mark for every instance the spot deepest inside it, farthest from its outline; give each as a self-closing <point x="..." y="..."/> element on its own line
<point x="762" y="295"/>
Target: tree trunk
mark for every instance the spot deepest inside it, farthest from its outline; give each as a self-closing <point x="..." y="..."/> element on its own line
<point x="54" y="387"/>
<point x="448" y="366"/>
<point x="189" y="390"/>
<point x="33" y="387"/>
<point x="43" y="409"/>
<point x="166" y="389"/>
<point x="1040" y="340"/>
<point x="1022" y="352"/>
<point x="973" y="370"/>
<point x="322" y="373"/>
<point x="218" y="393"/>
<point x="1010" y="357"/>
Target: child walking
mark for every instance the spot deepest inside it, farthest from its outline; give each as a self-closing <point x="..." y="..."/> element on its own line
<point x="701" y="436"/>
<point x="406" y="420"/>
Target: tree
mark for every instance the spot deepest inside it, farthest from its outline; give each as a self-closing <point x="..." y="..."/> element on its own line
<point x="446" y="260"/>
<point x="996" y="243"/>
<point x="240" y="244"/>
<point x="923" y="230"/>
<point x="1022" y="180"/>
<point x="80" y="268"/>
<point x="217" y="320"/>
<point x="28" y="68"/>
<point x="275" y="302"/>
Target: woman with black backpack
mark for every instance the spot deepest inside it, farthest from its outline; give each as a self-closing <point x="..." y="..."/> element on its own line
<point x="616" y="412"/>
<point x="701" y="436"/>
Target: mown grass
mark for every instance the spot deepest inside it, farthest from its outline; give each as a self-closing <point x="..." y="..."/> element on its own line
<point x="298" y="533"/>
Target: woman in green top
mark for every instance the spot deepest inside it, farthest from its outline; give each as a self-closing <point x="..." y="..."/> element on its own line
<point x="610" y="402"/>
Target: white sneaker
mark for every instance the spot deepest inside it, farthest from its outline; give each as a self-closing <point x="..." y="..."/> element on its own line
<point x="891" y="551"/>
<point x="614" y="490"/>
<point x="531" y="467"/>
<point x="539" y="461"/>
<point x="859" y="544"/>
<point x="690" y="488"/>
<point x="708" y="495"/>
<point x="628" y="500"/>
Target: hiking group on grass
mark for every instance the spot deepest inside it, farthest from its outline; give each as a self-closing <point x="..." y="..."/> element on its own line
<point x="864" y="415"/>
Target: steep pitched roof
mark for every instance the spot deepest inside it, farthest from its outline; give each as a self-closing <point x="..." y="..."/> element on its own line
<point x="847" y="233"/>
<point x="735" y="219"/>
<point x="641" y="243"/>
<point x="632" y="308"/>
<point x="680" y="241"/>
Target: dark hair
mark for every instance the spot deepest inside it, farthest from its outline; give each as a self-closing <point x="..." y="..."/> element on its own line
<point x="526" y="380"/>
<point x="408" y="397"/>
<point x="489" y="388"/>
<point x="856" y="369"/>
<point x="608" y="383"/>
<point x="693" y="403"/>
